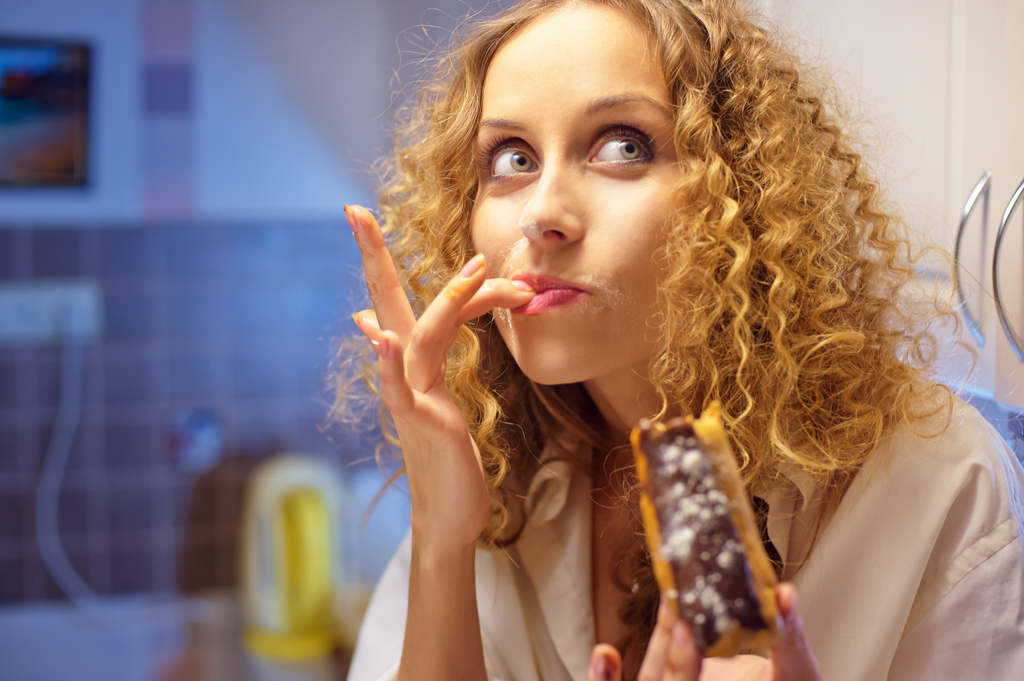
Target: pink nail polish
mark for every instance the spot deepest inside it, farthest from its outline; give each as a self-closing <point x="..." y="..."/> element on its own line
<point x="350" y="218"/>
<point x="522" y="285"/>
<point x="665" y="607"/>
<point x="680" y="636"/>
<point x="600" y="667"/>
<point x="471" y="267"/>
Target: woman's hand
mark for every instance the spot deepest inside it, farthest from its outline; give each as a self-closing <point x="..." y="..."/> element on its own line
<point x="673" y="656"/>
<point x="450" y="500"/>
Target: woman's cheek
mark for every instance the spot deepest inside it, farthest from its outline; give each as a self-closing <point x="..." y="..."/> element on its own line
<point x="495" y="235"/>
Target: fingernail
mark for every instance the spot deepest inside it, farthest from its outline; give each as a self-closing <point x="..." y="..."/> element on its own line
<point x="600" y="668"/>
<point x="473" y="266"/>
<point x="680" y="636"/>
<point x="350" y="218"/>
<point x="522" y="285"/>
<point x="665" y="609"/>
<point x="790" y="624"/>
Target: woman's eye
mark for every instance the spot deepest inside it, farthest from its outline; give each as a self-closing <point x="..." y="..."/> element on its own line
<point x="512" y="162"/>
<point x="621" y="149"/>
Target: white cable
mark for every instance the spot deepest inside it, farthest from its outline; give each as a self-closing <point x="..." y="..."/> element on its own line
<point x="58" y="450"/>
<point x="81" y="595"/>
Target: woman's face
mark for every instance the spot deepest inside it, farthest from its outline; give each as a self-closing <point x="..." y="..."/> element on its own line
<point x="575" y="149"/>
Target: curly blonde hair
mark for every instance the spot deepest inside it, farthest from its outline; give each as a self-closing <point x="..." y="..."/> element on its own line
<point x="785" y="268"/>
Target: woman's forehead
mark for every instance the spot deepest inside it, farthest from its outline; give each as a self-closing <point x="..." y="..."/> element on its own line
<point x="578" y="53"/>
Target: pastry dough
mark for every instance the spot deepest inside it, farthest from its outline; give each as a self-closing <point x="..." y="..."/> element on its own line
<point x="702" y="536"/>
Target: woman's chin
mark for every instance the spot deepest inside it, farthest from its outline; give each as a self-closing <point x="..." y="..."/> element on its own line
<point x="554" y="372"/>
<point x="566" y="358"/>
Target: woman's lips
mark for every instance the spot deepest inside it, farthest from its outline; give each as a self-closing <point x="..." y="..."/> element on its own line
<point x="551" y="292"/>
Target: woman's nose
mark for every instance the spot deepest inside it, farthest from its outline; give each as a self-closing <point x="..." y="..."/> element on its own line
<point x="552" y="215"/>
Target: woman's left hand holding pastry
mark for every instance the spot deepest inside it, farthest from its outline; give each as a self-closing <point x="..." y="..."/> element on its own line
<point x="673" y="656"/>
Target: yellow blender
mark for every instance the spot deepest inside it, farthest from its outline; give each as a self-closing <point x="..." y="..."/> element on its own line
<point x="290" y="558"/>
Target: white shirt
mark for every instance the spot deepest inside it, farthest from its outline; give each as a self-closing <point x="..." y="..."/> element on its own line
<point x="918" y="575"/>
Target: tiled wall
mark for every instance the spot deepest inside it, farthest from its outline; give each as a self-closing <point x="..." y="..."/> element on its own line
<point x="238" y="319"/>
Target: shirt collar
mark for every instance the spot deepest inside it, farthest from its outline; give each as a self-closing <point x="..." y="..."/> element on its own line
<point x="554" y="551"/>
<point x="781" y="482"/>
<point x="801" y="479"/>
<point x="549" y="487"/>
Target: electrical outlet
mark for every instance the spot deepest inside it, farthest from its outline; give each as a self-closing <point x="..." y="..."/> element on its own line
<point x="48" y="311"/>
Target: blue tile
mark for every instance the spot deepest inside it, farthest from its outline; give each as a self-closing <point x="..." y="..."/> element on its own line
<point x="10" y="462"/>
<point x="47" y="376"/>
<point x="257" y="249"/>
<point x="73" y="511"/>
<point x="122" y="252"/>
<point x="259" y="311"/>
<point x="126" y="382"/>
<point x="190" y="250"/>
<point x="168" y="146"/>
<point x="128" y="446"/>
<point x="191" y="379"/>
<point x="12" y="579"/>
<point x="168" y="89"/>
<point x="76" y="461"/>
<point x="132" y="571"/>
<point x="16" y="512"/>
<point x="156" y="248"/>
<point x="258" y="438"/>
<point x="256" y="375"/>
<point x="322" y="252"/>
<point x="55" y="253"/>
<point x="307" y="436"/>
<point x="126" y="315"/>
<point x="30" y="443"/>
<point x="53" y="591"/>
<point x="309" y="375"/>
<point x="193" y="314"/>
<point x="316" y="311"/>
<point x="129" y="510"/>
<point x="6" y="254"/>
<point x="8" y="385"/>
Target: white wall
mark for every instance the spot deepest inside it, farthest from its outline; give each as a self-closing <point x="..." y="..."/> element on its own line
<point x="258" y="152"/>
<point x="291" y="103"/>
<point x="890" y="59"/>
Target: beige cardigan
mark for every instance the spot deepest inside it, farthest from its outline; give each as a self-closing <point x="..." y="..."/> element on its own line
<point x="919" y="574"/>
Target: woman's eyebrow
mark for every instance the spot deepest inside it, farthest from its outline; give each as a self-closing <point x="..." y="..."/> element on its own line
<point x="596" y="106"/>
<point x="505" y="123"/>
<point x="618" y="100"/>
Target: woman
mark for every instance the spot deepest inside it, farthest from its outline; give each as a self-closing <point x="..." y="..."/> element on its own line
<point x="608" y="211"/>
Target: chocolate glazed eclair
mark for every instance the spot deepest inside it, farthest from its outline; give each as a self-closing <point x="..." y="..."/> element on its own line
<point x="701" y="533"/>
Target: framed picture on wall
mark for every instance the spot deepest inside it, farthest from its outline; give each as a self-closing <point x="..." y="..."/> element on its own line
<point x="44" y="112"/>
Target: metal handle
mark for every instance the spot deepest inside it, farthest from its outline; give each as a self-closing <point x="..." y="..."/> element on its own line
<point x="1011" y="335"/>
<point x="982" y="188"/>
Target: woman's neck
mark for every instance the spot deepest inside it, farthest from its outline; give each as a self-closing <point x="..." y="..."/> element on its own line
<point x="623" y="399"/>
